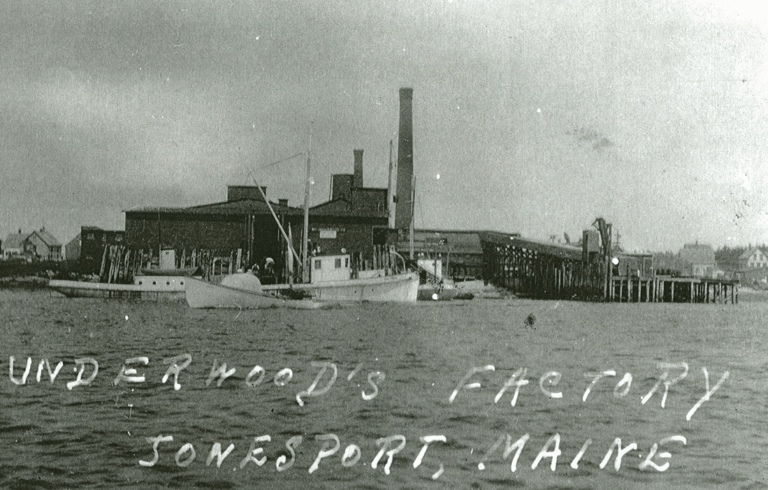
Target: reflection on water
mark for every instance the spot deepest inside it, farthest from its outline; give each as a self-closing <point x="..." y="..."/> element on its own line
<point x="395" y="369"/>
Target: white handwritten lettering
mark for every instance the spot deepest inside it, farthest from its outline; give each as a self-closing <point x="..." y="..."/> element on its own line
<point x="216" y="453"/>
<point x="291" y="444"/>
<point x="254" y="451"/>
<point x="708" y="393"/>
<point x="220" y="372"/>
<point x="23" y="380"/>
<point x="155" y="441"/>
<point x="546" y="453"/>
<point x="374" y="375"/>
<point x="463" y="383"/>
<point x="311" y="390"/>
<point x="386" y="443"/>
<point x="80" y="381"/>
<point x="326" y="450"/>
<point x="174" y="368"/>
<point x="129" y="375"/>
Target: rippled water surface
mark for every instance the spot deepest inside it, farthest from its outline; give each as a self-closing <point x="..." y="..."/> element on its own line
<point x="416" y="355"/>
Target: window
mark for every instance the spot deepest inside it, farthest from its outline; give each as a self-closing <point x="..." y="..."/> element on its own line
<point x="317" y="265"/>
<point x="337" y="263"/>
<point x="346" y="261"/>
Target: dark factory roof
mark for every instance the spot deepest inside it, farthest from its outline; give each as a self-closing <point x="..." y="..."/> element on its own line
<point x="343" y="208"/>
<point x="238" y="207"/>
<point x="438" y="241"/>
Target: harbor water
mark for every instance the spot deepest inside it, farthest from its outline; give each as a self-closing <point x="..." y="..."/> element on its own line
<point x="617" y="395"/>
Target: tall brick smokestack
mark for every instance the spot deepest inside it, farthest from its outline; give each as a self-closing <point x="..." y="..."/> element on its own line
<point x="404" y="211"/>
<point x="357" y="179"/>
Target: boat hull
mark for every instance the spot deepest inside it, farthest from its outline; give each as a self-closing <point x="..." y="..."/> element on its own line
<point x="202" y="294"/>
<point x="396" y="288"/>
<point x="150" y="288"/>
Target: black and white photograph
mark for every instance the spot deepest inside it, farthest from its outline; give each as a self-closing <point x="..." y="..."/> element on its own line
<point x="470" y="244"/>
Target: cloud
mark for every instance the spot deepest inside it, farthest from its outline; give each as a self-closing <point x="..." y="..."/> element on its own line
<point x="591" y="138"/>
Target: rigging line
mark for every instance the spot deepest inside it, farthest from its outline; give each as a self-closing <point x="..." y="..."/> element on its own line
<point x="283" y="160"/>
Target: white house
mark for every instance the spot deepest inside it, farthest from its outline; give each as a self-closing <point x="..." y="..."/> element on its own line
<point x="753" y="258"/>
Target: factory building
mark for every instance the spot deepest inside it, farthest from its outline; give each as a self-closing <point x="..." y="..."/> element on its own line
<point x="356" y="220"/>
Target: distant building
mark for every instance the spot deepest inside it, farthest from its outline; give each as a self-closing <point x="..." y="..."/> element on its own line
<point x="752" y="258"/>
<point x="699" y="260"/>
<point x="243" y="223"/>
<point x="633" y="264"/>
<point x="460" y="252"/>
<point x="13" y="246"/>
<point x="38" y="245"/>
<point x="87" y="248"/>
<point x="43" y="245"/>
<point x="72" y="249"/>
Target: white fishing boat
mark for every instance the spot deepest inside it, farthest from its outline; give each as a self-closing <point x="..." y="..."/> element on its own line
<point x="240" y="290"/>
<point x="153" y="288"/>
<point x="331" y="283"/>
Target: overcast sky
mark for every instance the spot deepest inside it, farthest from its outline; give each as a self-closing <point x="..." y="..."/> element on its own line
<point x="529" y="116"/>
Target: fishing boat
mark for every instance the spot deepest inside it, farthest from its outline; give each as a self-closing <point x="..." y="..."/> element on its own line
<point x="240" y="290"/>
<point x="153" y="288"/>
<point x="333" y="282"/>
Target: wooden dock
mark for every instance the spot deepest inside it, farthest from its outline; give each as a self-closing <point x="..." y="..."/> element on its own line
<point x="667" y="289"/>
<point x="536" y="269"/>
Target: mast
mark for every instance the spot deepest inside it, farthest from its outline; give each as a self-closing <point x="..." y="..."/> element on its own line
<point x="391" y="188"/>
<point x="290" y="256"/>
<point x="282" y="230"/>
<point x="304" y="251"/>
<point x="413" y="202"/>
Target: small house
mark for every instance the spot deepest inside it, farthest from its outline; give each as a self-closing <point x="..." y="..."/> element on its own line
<point x="38" y="245"/>
<point x="753" y="258"/>
<point x="699" y="260"/>
<point x="13" y="246"/>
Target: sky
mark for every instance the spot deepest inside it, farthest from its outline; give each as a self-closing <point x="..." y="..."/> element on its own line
<point x="529" y="116"/>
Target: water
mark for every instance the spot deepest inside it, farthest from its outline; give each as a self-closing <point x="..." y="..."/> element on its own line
<point x="96" y="435"/>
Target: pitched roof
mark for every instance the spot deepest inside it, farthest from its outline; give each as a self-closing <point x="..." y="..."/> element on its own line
<point x="749" y="252"/>
<point x="46" y="237"/>
<point x="14" y="240"/>
<point x="343" y="208"/>
<point x="240" y="206"/>
<point x="698" y="254"/>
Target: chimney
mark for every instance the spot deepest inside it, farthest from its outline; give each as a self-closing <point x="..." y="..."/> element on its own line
<point x="404" y="211"/>
<point x="340" y="186"/>
<point x="357" y="180"/>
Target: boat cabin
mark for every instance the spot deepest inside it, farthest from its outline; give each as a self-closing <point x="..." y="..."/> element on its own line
<point x="330" y="268"/>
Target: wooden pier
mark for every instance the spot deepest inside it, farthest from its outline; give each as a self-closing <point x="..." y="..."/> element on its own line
<point x="536" y="269"/>
<point x="668" y="289"/>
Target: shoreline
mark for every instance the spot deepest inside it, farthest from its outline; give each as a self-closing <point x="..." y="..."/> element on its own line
<point x="24" y="282"/>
